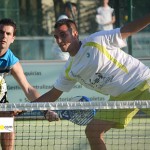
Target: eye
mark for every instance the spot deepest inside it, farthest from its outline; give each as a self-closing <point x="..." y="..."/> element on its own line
<point x="1" y="32"/>
<point x="8" y="33"/>
<point x="55" y="37"/>
<point x="63" y="35"/>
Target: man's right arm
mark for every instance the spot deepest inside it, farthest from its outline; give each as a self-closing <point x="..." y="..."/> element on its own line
<point x="49" y="96"/>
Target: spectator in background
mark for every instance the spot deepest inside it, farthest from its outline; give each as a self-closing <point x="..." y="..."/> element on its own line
<point x="70" y="12"/>
<point x="105" y="16"/>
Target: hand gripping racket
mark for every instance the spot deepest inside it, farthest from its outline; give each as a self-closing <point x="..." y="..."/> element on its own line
<point x="79" y="117"/>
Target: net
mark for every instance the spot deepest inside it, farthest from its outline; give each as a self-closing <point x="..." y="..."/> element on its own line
<point x="34" y="132"/>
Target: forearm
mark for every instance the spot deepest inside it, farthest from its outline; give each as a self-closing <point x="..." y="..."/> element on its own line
<point x="135" y="26"/>
<point x="49" y="96"/>
<point x="32" y="94"/>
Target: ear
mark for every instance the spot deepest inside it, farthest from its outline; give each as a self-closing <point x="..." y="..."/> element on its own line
<point x="75" y="34"/>
<point x="13" y="38"/>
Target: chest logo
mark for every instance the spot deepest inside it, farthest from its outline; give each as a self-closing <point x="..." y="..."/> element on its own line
<point x="88" y="55"/>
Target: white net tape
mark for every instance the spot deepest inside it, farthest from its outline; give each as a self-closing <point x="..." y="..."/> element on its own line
<point x="75" y="105"/>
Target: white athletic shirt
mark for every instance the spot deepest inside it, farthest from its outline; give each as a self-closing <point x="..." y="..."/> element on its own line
<point x="102" y="66"/>
<point x="104" y="16"/>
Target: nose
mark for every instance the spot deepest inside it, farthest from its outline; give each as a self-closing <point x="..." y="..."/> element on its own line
<point x="58" y="40"/>
<point x="5" y="34"/>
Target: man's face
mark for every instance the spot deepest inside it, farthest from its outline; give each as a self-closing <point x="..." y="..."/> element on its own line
<point x="6" y="37"/>
<point x="64" y="37"/>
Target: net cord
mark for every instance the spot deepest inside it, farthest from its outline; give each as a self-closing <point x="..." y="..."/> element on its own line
<point x="75" y="105"/>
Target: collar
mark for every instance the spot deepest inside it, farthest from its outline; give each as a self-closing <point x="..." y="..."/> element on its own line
<point x="6" y="55"/>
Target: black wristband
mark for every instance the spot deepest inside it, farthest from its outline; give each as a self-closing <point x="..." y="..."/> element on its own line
<point x="44" y="113"/>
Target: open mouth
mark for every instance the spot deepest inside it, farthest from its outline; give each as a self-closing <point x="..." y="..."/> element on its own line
<point x="2" y="42"/>
<point x="62" y="46"/>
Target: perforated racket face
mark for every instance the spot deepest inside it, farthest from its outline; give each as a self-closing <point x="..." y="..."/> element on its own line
<point x="79" y="117"/>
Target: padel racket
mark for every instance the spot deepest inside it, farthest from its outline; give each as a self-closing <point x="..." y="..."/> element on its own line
<point x="79" y="117"/>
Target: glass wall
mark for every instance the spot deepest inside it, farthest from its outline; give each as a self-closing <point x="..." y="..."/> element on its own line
<point x="35" y="20"/>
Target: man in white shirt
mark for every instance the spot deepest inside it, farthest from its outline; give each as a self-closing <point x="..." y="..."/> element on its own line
<point x="98" y="63"/>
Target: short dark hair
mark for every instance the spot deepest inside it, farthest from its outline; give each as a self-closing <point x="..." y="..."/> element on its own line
<point x="68" y="22"/>
<point x="10" y="22"/>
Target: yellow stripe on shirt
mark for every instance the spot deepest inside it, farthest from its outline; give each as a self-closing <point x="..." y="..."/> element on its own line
<point x="105" y="52"/>
<point x="67" y="71"/>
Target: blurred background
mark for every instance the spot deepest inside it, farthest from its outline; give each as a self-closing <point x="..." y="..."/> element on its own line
<point x="35" y="20"/>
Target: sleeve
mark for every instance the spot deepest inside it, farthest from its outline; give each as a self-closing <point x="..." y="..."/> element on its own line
<point x="12" y="59"/>
<point x="64" y="84"/>
<point x="113" y="12"/>
<point x="109" y="38"/>
<point x="116" y="40"/>
<point x="98" y="10"/>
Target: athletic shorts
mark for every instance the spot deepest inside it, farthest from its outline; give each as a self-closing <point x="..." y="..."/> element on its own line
<point x="122" y="117"/>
